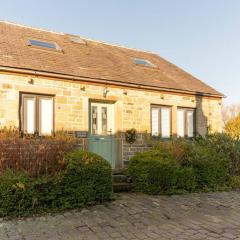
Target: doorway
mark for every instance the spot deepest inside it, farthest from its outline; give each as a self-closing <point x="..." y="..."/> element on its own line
<point x="102" y="130"/>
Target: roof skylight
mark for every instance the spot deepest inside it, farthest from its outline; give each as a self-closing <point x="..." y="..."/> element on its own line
<point x="143" y="62"/>
<point x="77" y="39"/>
<point x="43" y="44"/>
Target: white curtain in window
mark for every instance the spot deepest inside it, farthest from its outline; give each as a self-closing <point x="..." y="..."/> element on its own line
<point x="46" y="116"/>
<point x="190" y="123"/>
<point x="180" y="123"/>
<point x="155" y="122"/>
<point x="165" y="122"/>
<point x="30" y="115"/>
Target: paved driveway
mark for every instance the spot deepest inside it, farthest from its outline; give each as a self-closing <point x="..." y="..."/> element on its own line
<point x="138" y="216"/>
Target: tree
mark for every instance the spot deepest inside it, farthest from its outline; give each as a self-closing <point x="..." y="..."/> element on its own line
<point x="232" y="127"/>
<point x="230" y="112"/>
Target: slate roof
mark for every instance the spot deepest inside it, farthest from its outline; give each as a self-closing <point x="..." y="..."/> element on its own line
<point x="92" y="59"/>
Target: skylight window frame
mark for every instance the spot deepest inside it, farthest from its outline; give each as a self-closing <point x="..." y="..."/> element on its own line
<point x="145" y="62"/>
<point x="77" y="40"/>
<point x="54" y="46"/>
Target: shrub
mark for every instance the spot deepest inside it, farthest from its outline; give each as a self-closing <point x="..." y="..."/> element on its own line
<point x="86" y="179"/>
<point x="197" y="164"/>
<point x="208" y="156"/>
<point x="186" y="179"/>
<point x="157" y="172"/>
<point x="88" y="176"/>
<point x="178" y="148"/>
<point x="35" y="155"/>
<point x="15" y="193"/>
<point x="233" y="182"/>
<point x="211" y="167"/>
<point x="225" y="145"/>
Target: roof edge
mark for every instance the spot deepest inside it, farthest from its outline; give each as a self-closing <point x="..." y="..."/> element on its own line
<point x="30" y="27"/>
<point x="100" y="80"/>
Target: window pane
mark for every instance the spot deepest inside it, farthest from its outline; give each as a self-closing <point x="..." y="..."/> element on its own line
<point x="46" y="116"/>
<point x="43" y="44"/>
<point x="104" y="120"/>
<point x="29" y="115"/>
<point x="165" y="122"/>
<point x="110" y="119"/>
<point x="180" y="123"/>
<point x="144" y="62"/>
<point x="155" y="122"/>
<point x="94" y="120"/>
<point x="190" y="123"/>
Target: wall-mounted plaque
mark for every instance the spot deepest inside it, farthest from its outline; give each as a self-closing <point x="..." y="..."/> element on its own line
<point x="81" y="134"/>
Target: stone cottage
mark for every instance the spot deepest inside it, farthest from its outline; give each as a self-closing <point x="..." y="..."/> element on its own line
<point x="51" y="81"/>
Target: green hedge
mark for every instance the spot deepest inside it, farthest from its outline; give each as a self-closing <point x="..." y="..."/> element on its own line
<point x="183" y="165"/>
<point x="210" y="167"/>
<point x="87" y="179"/>
<point x="156" y="172"/>
<point x="225" y="145"/>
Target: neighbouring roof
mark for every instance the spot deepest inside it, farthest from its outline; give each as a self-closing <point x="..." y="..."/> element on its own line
<point x="95" y="60"/>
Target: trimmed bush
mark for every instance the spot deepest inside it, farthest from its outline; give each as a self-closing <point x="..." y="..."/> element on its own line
<point x="86" y="179"/>
<point x="225" y="145"/>
<point x="186" y="165"/>
<point x="186" y="179"/>
<point x="157" y="172"/>
<point x="16" y="195"/>
<point x="211" y="167"/>
<point x="234" y="182"/>
<point x="88" y="176"/>
<point x="209" y="157"/>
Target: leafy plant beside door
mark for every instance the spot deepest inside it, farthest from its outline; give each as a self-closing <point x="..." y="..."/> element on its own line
<point x="131" y="135"/>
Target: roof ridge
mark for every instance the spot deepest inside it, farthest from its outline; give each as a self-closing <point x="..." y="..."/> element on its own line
<point x="84" y="38"/>
<point x="117" y="45"/>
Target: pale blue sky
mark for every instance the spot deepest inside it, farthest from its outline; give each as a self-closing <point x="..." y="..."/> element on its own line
<point x="201" y="36"/>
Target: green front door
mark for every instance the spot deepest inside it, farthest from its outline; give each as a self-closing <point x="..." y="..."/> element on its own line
<point x="101" y="133"/>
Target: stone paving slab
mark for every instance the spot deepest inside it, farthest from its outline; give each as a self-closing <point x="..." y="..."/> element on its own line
<point x="138" y="216"/>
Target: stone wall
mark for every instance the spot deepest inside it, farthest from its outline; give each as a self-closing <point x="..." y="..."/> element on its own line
<point x="129" y="150"/>
<point x="132" y="107"/>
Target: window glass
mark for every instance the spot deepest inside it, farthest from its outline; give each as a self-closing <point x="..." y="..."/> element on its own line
<point x="180" y="123"/>
<point x="190" y="123"/>
<point x="144" y="62"/>
<point x="110" y="119"/>
<point x="46" y="116"/>
<point x="161" y="121"/>
<point x="29" y="115"/>
<point x="155" y="121"/>
<point x="94" y="120"/>
<point x="43" y="44"/>
<point x="37" y="114"/>
<point x="165" y="122"/>
<point x="186" y="122"/>
<point x="104" y="120"/>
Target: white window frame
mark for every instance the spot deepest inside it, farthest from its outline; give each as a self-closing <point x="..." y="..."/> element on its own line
<point x="185" y="122"/>
<point x="159" y="108"/>
<point x="37" y="113"/>
<point x="110" y="118"/>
